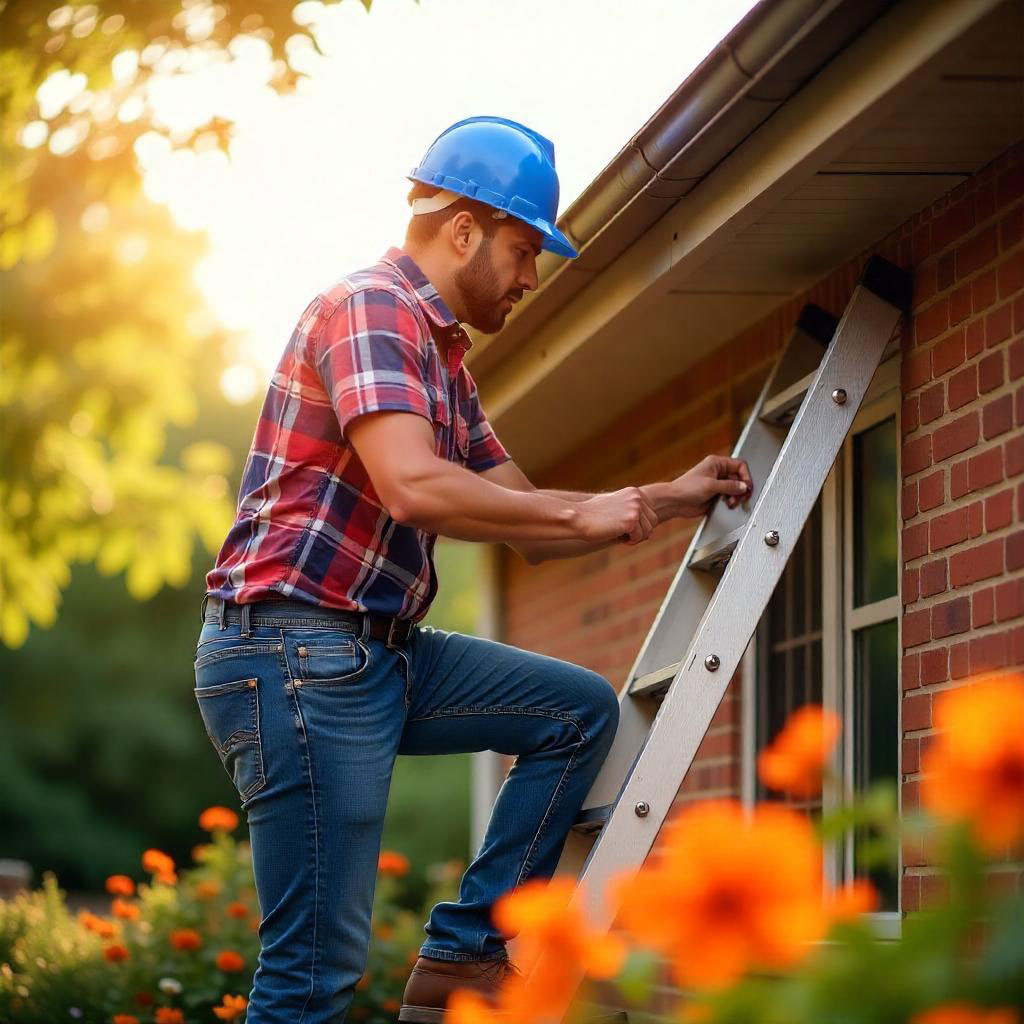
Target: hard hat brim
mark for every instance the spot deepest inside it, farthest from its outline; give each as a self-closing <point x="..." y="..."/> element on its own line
<point x="554" y="240"/>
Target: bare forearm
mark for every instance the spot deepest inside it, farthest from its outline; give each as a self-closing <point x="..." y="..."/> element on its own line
<point x="661" y="496"/>
<point x="448" y="499"/>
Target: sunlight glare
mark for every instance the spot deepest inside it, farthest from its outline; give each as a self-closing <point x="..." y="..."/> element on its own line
<point x="314" y="186"/>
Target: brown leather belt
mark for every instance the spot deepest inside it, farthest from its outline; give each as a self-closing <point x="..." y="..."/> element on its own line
<point x="391" y="629"/>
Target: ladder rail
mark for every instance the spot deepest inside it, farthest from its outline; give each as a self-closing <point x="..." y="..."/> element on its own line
<point x="823" y="420"/>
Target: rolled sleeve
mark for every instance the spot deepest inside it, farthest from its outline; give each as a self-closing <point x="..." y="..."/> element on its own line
<point x="485" y="450"/>
<point x="370" y="356"/>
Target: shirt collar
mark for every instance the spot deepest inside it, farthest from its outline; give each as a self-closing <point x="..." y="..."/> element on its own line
<point x="445" y="326"/>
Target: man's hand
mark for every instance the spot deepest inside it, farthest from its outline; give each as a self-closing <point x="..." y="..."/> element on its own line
<point x="625" y="514"/>
<point x="713" y="475"/>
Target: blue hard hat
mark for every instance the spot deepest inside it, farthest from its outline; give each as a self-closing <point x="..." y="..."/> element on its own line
<point x="501" y="163"/>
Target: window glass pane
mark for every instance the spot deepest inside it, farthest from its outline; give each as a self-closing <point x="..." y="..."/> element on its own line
<point x="790" y="674"/>
<point x="874" y="513"/>
<point x="875" y="730"/>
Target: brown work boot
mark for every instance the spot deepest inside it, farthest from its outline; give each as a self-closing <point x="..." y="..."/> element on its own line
<point x="433" y="980"/>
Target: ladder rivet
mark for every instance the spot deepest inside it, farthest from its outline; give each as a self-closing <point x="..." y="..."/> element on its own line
<point x="711" y="662"/>
<point x="643" y="808"/>
<point x="839" y="396"/>
<point x="771" y="538"/>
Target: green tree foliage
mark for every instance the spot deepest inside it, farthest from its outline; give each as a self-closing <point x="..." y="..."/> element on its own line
<point x="103" y="329"/>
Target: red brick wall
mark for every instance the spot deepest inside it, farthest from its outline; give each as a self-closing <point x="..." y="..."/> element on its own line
<point x="963" y="456"/>
<point x="963" y="490"/>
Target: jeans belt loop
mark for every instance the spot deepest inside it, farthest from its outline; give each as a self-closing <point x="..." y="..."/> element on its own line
<point x="246" y="617"/>
<point x="391" y="631"/>
<point x="222" y="614"/>
<point x="202" y="607"/>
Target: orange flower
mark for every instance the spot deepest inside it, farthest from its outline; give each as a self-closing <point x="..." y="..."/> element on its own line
<point x="168" y="1015"/>
<point x="468" y="1007"/>
<point x="124" y="909"/>
<point x="199" y="851"/>
<point x="795" y="761"/>
<point x="964" y="1013"/>
<point x="231" y="1007"/>
<point x="214" y="818"/>
<point x="392" y="863"/>
<point x="364" y="980"/>
<point x="207" y="890"/>
<point x="229" y="960"/>
<point x="729" y="891"/>
<point x="125" y="1018"/>
<point x="384" y="931"/>
<point x="185" y="938"/>
<point x="557" y="945"/>
<point x="120" y="885"/>
<point x="974" y="769"/>
<point x="237" y="909"/>
<point x="853" y="899"/>
<point x="115" y="953"/>
<point x="144" y="998"/>
<point x="157" y="862"/>
<point x="98" y="925"/>
<point x="390" y="1005"/>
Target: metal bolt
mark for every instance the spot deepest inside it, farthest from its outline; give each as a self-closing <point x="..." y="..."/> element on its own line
<point x="711" y="662"/>
<point x="771" y="538"/>
<point x="302" y="652"/>
<point x="839" y="396"/>
<point x="643" y="808"/>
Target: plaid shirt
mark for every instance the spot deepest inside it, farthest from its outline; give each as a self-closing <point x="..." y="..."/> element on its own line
<point x="309" y="525"/>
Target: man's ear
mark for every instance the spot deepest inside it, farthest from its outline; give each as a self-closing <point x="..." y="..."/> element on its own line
<point x="462" y="227"/>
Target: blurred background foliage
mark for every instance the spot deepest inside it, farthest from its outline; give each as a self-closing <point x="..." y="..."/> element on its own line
<point x="104" y="331"/>
<point x="121" y="456"/>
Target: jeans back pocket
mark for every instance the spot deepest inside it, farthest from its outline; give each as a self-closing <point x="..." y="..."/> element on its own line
<point x="231" y="714"/>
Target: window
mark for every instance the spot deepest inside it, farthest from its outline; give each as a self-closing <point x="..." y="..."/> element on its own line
<point x="830" y="633"/>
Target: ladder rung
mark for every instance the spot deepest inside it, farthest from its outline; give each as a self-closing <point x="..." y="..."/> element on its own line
<point x="780" y="410"/>
<point x="592" y="819"/>
<point x="650" y="683"/>
<point x="713" y="556"/>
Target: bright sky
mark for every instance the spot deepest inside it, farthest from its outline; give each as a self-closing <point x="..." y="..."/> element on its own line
<point x="316" y="185"/>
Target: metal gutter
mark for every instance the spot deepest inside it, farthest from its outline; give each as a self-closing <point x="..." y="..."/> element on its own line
<point x="764" y="60"/>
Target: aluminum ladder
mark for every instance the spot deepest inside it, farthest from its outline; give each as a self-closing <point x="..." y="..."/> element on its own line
<point x="723" y="585"/>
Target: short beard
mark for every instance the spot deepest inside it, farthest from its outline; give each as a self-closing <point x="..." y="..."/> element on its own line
<point x="481" y="294"/>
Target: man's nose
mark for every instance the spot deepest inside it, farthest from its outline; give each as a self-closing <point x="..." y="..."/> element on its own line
<point x="527" y="279"/>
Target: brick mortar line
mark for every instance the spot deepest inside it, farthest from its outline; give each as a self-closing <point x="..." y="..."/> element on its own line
<point x="955" y="684"/>
<point x="957" y="549"/>
<point x="955" y="505"/>
<point x="1009" y="387"/>
<point x="992" y="221"/>
<point x="991" y="627"/>
<point x="930" y="870"/>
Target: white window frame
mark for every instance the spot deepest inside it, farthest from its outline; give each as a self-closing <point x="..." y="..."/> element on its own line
<point x="839" y="622"/>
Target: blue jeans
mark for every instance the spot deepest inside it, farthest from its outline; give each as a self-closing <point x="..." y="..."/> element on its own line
<point x="307" y="712"/>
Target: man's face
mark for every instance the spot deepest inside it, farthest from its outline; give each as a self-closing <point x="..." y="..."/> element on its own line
<point x="501" y="269"/>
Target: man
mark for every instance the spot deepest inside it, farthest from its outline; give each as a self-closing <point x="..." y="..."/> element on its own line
<point x="312" y="671"/>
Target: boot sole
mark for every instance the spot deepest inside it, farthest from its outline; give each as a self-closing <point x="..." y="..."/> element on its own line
<point x="420" y="1015"/>
<point x="432" y="1015"/>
